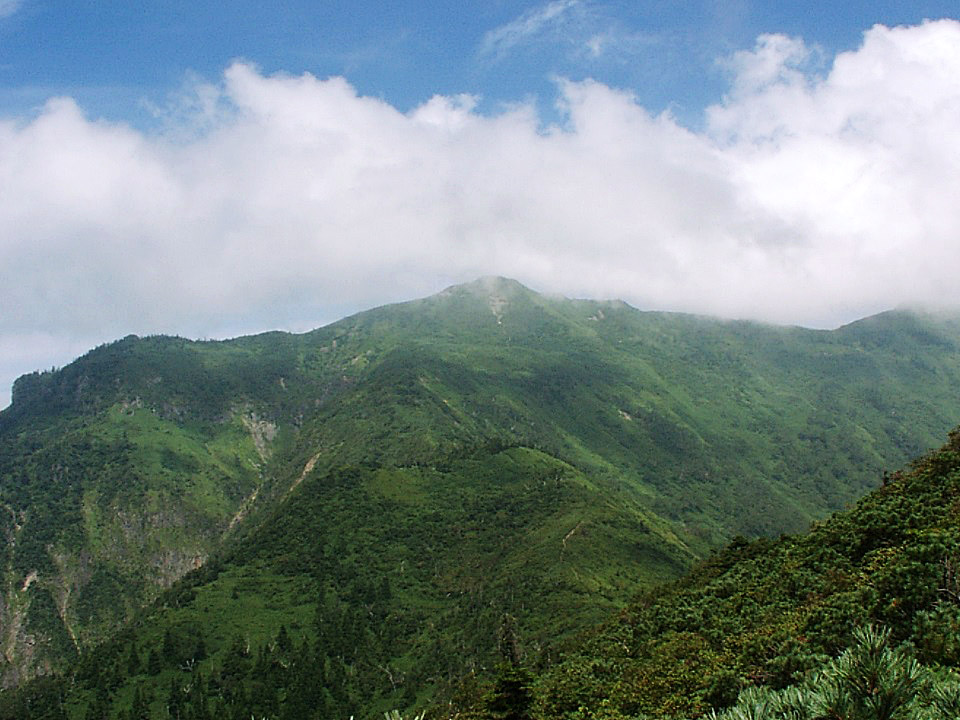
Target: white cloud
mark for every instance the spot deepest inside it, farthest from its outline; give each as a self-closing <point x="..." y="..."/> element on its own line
<point x="280" y="201"/>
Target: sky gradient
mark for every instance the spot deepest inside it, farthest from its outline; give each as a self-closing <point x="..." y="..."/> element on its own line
<point x="187" y="169"/>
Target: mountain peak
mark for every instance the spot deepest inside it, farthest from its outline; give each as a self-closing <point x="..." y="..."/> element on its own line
<point x="495" y="291"/>
<point x="490" y="285"/>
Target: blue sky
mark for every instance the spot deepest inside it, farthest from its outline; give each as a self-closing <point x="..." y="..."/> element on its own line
<point x="212" y="169"/>
<point x="120" y="58"/>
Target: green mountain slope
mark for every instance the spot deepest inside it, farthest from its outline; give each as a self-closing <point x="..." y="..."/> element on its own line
<point x="485" y="448"/>
<point x="766" y="613"/>
<point x="395" y="581"/>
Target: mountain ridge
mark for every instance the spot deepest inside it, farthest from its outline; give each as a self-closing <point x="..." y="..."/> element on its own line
<point x="492" y="288"/>
<point x="150" y="455"/>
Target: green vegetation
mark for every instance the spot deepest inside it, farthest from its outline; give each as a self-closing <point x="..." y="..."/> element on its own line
<point x="390" y="598"/>
<point x="771" y="614"/>
<point x="346" y="522"/>
<point x="870" y="680"/>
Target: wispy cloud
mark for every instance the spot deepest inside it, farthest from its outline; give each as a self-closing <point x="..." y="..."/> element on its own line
<point x="9" y="7"/>
<point x="499" y="42"/>
<point x="571" y="33"/>
<point x="612" y="42"/>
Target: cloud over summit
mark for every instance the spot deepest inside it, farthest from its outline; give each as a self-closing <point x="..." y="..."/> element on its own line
<point x="818" y="191"/>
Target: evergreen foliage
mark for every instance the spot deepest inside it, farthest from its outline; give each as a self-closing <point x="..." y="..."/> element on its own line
<point x="870" y="681"/>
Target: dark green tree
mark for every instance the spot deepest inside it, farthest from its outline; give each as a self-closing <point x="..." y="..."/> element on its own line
<point x="510" y="697"/>
<point x="133" y="661"/>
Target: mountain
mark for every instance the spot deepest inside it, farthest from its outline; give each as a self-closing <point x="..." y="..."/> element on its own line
<point x="399" y="491"/>
<point x="775" y="614"/>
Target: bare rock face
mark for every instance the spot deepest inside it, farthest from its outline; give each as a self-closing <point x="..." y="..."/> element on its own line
<point x="19" y="645"/>
<point x="262" y="432"/>
<point x="171" y="565"/>
<point x="86" y="596"/>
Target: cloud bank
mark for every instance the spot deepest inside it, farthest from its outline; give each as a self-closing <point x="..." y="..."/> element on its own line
<point x="281" y="201"/>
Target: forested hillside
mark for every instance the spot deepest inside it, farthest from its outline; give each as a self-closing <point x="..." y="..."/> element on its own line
<point x="390" y="501"/>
